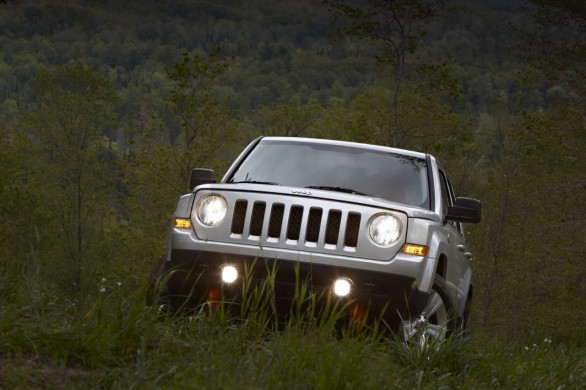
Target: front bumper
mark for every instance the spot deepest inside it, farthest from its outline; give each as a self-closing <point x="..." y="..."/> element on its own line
<point x="415" y="268"/>
<point x="196" y="275"/>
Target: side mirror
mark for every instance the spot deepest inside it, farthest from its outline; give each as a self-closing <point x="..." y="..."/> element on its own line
<point x="201" y="176"/>
<point x="464" y="210"/>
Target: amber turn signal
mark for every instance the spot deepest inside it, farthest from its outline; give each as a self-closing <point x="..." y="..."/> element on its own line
<point x="182" y="223"/>
<point x="416" y="250"/>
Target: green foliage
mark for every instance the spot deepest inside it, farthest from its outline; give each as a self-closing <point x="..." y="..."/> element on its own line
<point x="105" y="337"/>
<point x="399" y="27"/>
<point x="559" y="33"/>
<point x="199" y="132"/>
<point x="287" y="120"/>
<point x="71" y="163"/>
<point x="204" y="123"/>
<point x="529" y="269"/>
<point x="528" y="266"/>
<point x="16" y="195"/>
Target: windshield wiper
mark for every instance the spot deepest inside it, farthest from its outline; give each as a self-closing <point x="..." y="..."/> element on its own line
<point x="338" y="189"/>
<point x="254" y="182"/>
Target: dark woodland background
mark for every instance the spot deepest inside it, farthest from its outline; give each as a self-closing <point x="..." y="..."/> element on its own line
<point x="105" y="106"/>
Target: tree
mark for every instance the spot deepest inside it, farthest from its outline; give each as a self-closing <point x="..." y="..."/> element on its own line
<point x="204" y="123"/>
<point x="287" y="120"/>
<point x="556" y="46"/>
<point x="398" y="27"/>
<point x="73" y="172"/>
<point x="200" y="132"/>
<point x="18" y="228"/>
<point x="530" y="243"/>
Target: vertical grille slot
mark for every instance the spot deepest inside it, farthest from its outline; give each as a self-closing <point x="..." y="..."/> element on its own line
<point x="256" y="220"/>
<point x="295" y="217"/>
<point x="239" y="216"/>
<point x="333" y="227"/>
<point x="276" y="220"/>
<point x="313" y="224"/>
<point x="352" y="230"/>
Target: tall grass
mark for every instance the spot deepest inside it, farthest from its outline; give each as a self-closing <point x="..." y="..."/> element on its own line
<point x="107" y="337"/>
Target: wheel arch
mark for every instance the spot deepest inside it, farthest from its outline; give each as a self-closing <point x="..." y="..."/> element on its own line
<point x="442" y="266"/>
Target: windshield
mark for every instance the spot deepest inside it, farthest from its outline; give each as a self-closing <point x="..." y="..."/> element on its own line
<point x="342" y="168"/>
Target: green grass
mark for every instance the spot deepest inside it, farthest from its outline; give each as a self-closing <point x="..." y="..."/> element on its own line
<point x="106" y="337"/>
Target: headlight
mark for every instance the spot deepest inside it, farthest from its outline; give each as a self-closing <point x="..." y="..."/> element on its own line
<point x="384" y="229"/>
<point x="211" y="209"/>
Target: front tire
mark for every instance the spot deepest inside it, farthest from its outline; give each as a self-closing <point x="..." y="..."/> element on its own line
<point x="437" y="321"/>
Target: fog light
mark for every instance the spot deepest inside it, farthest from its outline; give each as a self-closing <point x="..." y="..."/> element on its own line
<point x="342" y="287"/>
<point x="229" y="274"/>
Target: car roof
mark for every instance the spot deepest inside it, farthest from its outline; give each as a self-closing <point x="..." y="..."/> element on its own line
<point x="387" y="149"/>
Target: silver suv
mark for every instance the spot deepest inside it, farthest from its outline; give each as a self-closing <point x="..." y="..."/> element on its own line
<point x="375" y="226"/>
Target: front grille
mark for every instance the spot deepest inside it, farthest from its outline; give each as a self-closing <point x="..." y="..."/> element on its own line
<point x="293" y="224"/>
<point x="283" y="225"/>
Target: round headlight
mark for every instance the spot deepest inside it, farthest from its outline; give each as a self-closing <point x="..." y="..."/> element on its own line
<point x="384" y="229"/>
<point x="211" y="209"/>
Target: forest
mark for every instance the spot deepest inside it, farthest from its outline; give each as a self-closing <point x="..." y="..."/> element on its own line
<point x="106" y="106"/>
